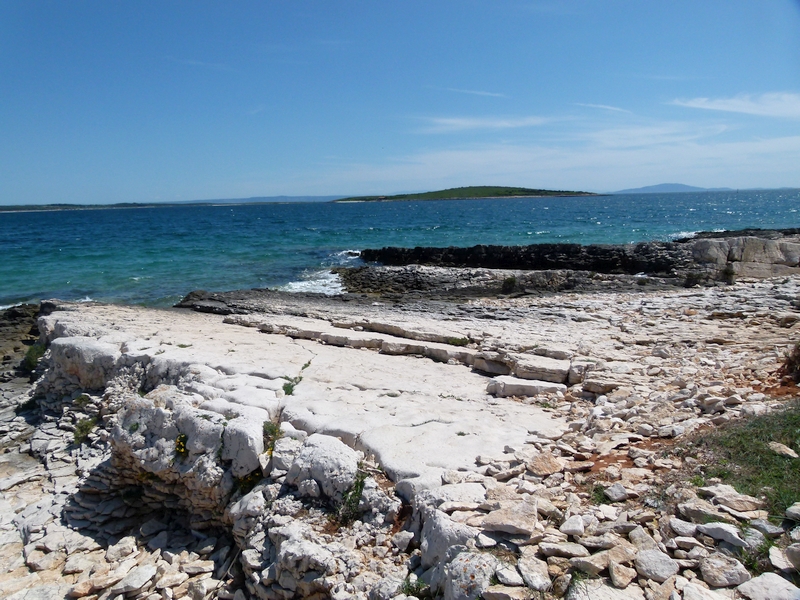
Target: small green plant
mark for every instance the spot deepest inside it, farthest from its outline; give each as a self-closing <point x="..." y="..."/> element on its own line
<point x="458" y="341"/>
<point x="697" y="481"/>
<point x="272" y="433"/>
<point x="184" y="345"/>
<point x="82" y="430"/>
<point x="461" y="433"/>
<point x="757" y="559"/>
<point x="347" y="511"/>
<point x="82" y="401"/>
<point x="180" y="446"/>
<point x="291" y="382"/>
<point x="248" y="482"/>
<point x="32" y="357"/>
<point x="416" y="588"/>
<point x="133" y="428"/>
<point x="577" y="583"/>
<point x="597" y="495"/>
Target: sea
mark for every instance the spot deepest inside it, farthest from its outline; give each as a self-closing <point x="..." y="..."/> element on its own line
<point x="155" y="255"/>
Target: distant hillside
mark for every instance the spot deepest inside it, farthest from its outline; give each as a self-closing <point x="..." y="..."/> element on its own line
<point x="470" y="192"/>
<point x="669" y="188"/>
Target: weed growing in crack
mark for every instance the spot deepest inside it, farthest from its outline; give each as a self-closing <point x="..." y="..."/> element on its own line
<point x="272" y="433"/>
<point x="347" y="511"/>
<point x="83" y="429"/>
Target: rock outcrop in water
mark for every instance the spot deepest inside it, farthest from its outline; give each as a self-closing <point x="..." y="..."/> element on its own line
<point x="708" y="257"/>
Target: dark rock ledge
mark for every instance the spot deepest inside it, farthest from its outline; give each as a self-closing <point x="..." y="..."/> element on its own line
<point x="709" y="257"/>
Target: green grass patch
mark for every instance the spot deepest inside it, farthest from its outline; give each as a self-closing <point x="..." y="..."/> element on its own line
<point x="458" y="341"/>
<point x="82" y="430"/>
<point x="757" y="560"/>
<point x="272" y="433"/>
<point x="32" y="357"/>
<point x="597" y="495"/>
<point x="738" y="453"/>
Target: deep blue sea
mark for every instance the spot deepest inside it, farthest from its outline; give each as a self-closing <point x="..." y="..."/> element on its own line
<point x="154" y="256"/>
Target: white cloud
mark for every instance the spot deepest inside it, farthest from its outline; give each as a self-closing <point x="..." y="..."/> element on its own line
<point x="603" y="106"/>
<point x="473" y="92"/>
<point x="776" y="104"/>
<point x="454" y="124"/>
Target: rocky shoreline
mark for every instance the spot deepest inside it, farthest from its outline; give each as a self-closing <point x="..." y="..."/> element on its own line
<point x="705" y="258"/>
<point x="458" y="440"/>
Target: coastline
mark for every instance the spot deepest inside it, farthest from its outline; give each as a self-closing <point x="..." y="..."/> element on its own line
<point x="480" y="421"/>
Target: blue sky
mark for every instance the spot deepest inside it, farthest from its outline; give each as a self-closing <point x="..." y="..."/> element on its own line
<point x="160" y="101"/>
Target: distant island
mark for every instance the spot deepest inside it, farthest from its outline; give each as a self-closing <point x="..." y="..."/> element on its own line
<point x="670" y="188"/>
<point x="468" y="193"/>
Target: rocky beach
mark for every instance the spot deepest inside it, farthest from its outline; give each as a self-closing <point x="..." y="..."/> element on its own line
<point x="485" y="422"/>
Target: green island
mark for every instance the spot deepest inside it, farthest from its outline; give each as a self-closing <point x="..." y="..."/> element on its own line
<point x="468" y="193"/>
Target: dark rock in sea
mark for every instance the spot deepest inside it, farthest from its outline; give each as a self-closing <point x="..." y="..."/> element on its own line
<point x="646" y="257"/>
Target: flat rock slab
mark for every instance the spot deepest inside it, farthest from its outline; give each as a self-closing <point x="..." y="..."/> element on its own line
<point x="417" y="416"/>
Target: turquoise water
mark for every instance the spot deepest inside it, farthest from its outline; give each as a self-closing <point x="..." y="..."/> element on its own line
<point x="155" y="256"/>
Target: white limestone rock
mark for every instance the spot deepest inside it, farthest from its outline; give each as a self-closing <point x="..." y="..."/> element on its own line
<point x="769" y="586"/>
<point x="243" y="442"/>
<point x="723" y="531"/>
<point x="329" y="462"/>
<point x="655" y="565"/>
<point x="542" y="368"/>
<point x="719" y="570"/>
<point x="439" y="533"/>
<point x="793" y="512"/>
<point x="599" y="589"/>
<point x="573" y="526"/>
<point x="505" y="385"/>
<point x="88" y="362"/>
<point x="468" y="575"/>
<point x="533" y="570"/>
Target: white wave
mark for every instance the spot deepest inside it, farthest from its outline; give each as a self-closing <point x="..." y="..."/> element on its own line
<point x="318" y="282"/>
<point x="85" y="299"/>
<point x="682" y="234"/>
